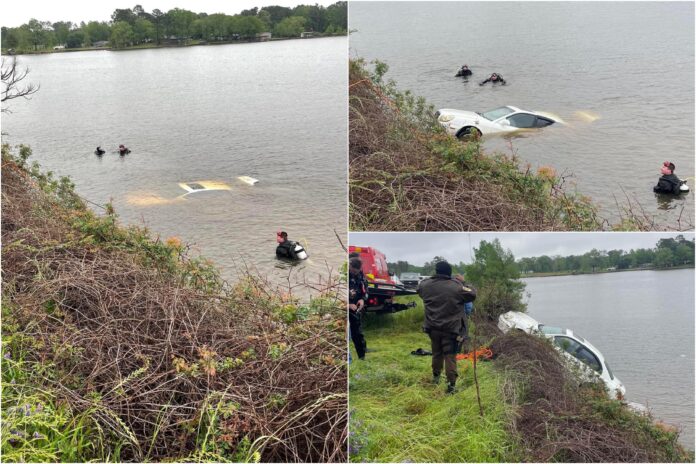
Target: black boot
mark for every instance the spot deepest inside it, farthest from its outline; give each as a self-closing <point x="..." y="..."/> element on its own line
<point x="450" y="388"/>
<point x="436" y="379"/>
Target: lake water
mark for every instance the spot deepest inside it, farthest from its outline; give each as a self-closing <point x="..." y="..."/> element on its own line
<point x="642" y="322"/>
<point x="274" y="111"/>
<point x="631" y="65"/>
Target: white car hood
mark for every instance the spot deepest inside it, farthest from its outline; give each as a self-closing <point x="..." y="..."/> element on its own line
<point x="461" y="114"/>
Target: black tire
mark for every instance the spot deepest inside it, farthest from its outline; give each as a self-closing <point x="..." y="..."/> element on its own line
<point x="469" y="132"/>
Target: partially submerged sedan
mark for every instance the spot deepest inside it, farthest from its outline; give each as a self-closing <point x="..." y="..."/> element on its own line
<point x="579" y="351"/>
<point x="464" y="124"/>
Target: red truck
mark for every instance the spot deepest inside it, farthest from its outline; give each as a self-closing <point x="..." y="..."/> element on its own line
<point x="382" y="286"/>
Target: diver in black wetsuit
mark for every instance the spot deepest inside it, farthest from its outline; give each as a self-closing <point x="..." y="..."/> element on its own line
<point x="669" y="182"/>
<point x="464" y="71"/>
<point x="122" y="150"/>
<point x="285" y="248"/>
<point x="99" y="151"/>
<point x="495" y="79"/>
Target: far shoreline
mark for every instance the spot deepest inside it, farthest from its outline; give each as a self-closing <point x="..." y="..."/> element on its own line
<point x="557" y="274"/>
<point x="4" y="52"/>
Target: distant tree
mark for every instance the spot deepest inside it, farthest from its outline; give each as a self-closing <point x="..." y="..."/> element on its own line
<point x="251" y="12"/>
<point x="97" y="31"/>
<point x="75" y="39"/>
<point x="121" y="35"/>
<point x="13" y="81"/>
<point x="123" y="15"/>
<point x="337" y="15"/>
<point x="496" y="276"/>
<point x="143" y="30"/>
<point x="157" y="16"/>
<point x="664" y="258"/>
<point x="291" y="26"/>
<point x="61" y="30"/>
<point x="277" y="13"/>
<point x="38" y="33"/>
<point x="179" y="22"/>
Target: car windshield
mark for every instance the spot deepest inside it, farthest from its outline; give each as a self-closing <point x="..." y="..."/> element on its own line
<point x="492" y="115"/>
<point x="549" y="330"/>
<point x="409" y="276"/>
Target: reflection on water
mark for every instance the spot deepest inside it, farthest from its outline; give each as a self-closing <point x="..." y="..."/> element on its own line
<point x="272" y="111"/>
<point x="619" y="73"/>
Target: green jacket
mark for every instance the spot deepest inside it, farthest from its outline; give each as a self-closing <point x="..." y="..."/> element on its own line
<point x="444" y="298"/>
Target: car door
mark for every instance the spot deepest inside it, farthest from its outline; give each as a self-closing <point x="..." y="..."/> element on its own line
<point x="582" y="355"/>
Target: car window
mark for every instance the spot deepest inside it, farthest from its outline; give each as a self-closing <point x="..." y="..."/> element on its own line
<point x="586" y="356"/>
<point x="549" y="330"/>
<point x="522" y="120"/>
<point x="566" y="344"/>
<point x="611" y="374"/>
<point x="543" y="122"/>
<point x="492" y="115"/>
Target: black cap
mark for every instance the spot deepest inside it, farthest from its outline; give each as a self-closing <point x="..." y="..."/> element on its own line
<point x="355" y="263"/>
<point x="443" y="268"/>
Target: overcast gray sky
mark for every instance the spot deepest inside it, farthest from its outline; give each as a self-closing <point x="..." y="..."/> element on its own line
<point x="419" y="247"/>
<point x="15" y="14"/>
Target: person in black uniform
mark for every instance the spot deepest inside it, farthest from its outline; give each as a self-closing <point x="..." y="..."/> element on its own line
<point x="668" y="182"/>
<point x="99" y="151"/>
<point x="285" y="248"/>
<point x="495" y="79"/>
<point x="464" y="71"/>
<point x="356" y="305"/>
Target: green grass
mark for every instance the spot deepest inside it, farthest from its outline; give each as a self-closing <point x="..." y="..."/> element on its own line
<point x="398" y="415"/>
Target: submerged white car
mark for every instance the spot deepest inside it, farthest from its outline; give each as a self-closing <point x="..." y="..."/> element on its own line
<point x="589" y="359"/>
<point x="463" y="124"/>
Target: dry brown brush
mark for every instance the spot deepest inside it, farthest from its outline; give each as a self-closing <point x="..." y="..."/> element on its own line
<point x="559" y="420"/>
<point x="168" y="368"/>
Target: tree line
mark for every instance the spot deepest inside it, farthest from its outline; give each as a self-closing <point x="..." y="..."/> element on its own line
<point x="131" y="27"/>
<point x="668" y="252"/>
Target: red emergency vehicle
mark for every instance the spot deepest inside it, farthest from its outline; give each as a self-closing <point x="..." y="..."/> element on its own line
<point x="382" y="286"/>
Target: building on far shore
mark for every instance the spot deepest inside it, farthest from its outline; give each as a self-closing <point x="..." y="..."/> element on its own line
<point x="307" y="35"/>
<point x="263" y="36"/>
<point x="100" y="44"/>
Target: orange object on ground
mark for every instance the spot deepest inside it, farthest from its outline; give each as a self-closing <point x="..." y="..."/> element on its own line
<point x="481" y="353"/>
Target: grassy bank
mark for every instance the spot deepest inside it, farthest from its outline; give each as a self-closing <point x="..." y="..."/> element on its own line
<point x="407" y="174"/>
<point x="119" y="347"/>
<point x="534" y="408"/>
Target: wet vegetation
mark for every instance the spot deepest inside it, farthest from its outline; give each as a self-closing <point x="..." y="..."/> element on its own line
<point x="117" y="346"/>
<point x="407" y="174"/>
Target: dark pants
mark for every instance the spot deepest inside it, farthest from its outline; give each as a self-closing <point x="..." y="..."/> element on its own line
<point x="444" y="348"/>
<point x="356" y="333"/>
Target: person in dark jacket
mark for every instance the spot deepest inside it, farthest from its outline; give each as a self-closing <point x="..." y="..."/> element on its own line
<point x="356" y="305"/>
<point x="285" y="248"/>
<point x="99" y="151"/>
<point x="464" y="71"/>
<point x="495" y="79"/>
<point x="444" y="299"/>
<point x="669" y="182"/>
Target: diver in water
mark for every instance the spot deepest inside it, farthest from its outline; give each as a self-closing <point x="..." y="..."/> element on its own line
<point x="288" y="249"/>
<point x="99" y="151"/>
<point x="464" y="71"/>
<point x="669" y="182"/>
<point x="122" y="150"/>
<point x="495" y="79"/>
